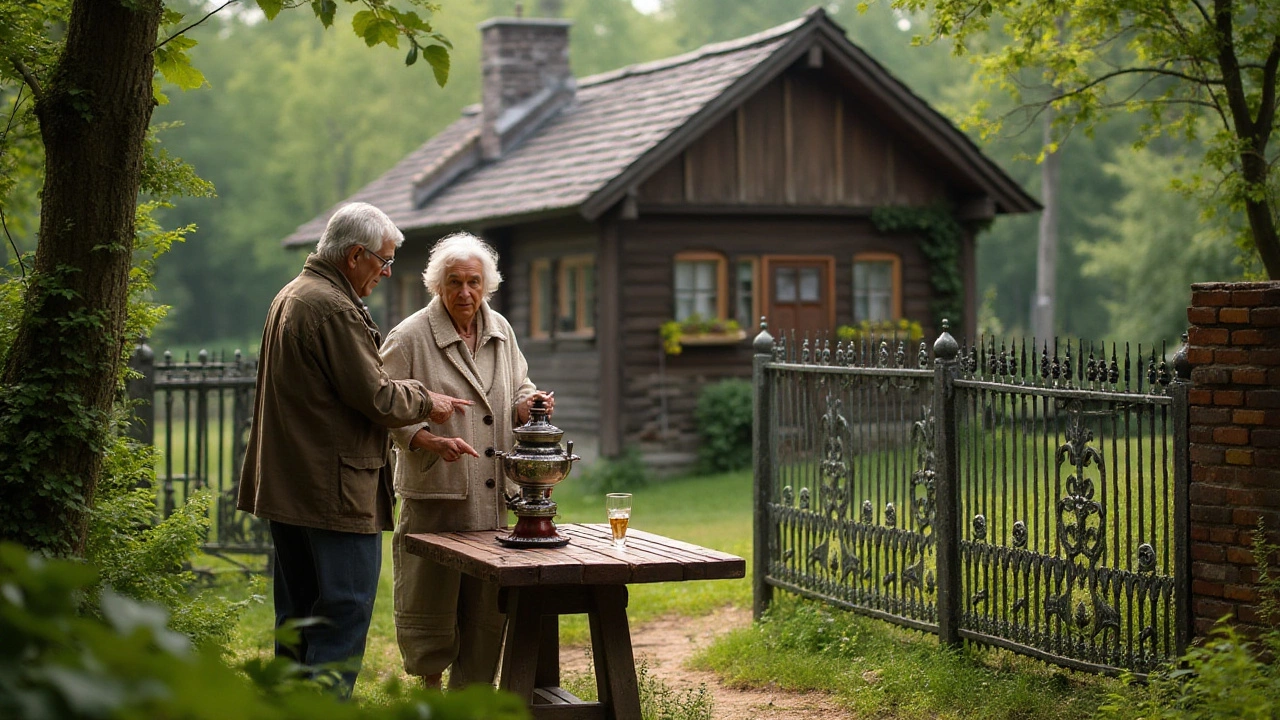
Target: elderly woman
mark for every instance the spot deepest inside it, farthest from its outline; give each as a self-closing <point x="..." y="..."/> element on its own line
<point x="467" y="350"/>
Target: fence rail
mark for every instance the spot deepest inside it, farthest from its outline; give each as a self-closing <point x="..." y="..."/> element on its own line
<point x="1034" y="500"/>
<point x="197" y="413"/>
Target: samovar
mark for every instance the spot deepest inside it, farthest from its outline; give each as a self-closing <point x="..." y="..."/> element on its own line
<point x="536" y="464"/>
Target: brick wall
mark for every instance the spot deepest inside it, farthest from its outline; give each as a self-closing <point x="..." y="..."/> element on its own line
<point x="1234" y="431"/>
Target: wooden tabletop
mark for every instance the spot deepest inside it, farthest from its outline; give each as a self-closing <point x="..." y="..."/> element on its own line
<point x="588" y="559"/>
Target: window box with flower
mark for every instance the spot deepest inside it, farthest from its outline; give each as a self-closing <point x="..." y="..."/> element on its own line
<point x="697" y="330"/>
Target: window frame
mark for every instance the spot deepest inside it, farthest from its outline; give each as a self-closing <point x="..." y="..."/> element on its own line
<point x="585" y="326"/>
<point x="895" y="274"/>
<point x="536" y="331"/>
<point x="722" y="278"/>
<point x="757" y="306"/>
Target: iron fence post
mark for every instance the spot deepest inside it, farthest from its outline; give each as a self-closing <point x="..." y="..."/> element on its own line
<point x="141" y="391"/>
<point x="1180" y="391"/>
<point x="947" y="532"/>
<point x="762" y="478"/>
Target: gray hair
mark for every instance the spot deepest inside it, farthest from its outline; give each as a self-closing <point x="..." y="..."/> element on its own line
<point x="456" y="248"/>
<point x="356" y="224"/>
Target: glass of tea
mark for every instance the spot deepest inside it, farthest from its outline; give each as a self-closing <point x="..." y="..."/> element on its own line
<point x="618" y="505"/>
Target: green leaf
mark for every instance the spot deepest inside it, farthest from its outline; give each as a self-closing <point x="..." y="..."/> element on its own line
<point x="439" y="59"/>
<point x="324" y="9"/>
<point x="175" y="66"/>
<point x="361" y="22"/>
<point x="271" y="8"/>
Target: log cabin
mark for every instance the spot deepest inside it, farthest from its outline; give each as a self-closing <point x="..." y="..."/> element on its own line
<point x="738" y="181"/>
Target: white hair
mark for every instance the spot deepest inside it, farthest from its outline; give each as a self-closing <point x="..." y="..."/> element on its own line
<point x="460" y="247"/>
<point x="356" y="224"/>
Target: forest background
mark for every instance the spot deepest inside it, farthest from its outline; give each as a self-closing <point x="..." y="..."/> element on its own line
<point x="316" y="115"/>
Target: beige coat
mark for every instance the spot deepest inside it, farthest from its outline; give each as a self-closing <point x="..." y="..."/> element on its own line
<point x="318" y="450"/>
<point x="425" y="346"/>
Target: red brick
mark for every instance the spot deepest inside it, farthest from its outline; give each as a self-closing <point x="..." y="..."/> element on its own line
<point x="1211" y="376"/>
<point x="1199" y="356"/>
<point x="1259" y="398"/>
<point x="1240" y="556"/>
<point x="1198" y="396"/>
<point x="1246" y="337"/>
<point x="1249" y="376"/>
<point x="1210" y="416"/>
<point x="1215" y="515"/>
<point x="1212" y="570"/>
<point x="1249" y="517"/>
<point x="1228" y="397"/>
<point x="1208" y="336"/>
<point x="1204" y="588"/>
<point x="1242" y="593"/>
<point x="1236" y="315"/>
<point x="1248" y="417"/>
<point x="1253" y="615"/>
<point x="1268" y="356"/>
<point x="1202" y="315"/>
<point x="1231" y="435"/>
<point x="1273" y="377"/>
<point x="1225" y="535"/>
<point x="1268" y="458"/>
<point x="1201" y="433"/>
<point x="1265" y="438"/>
<point x="1209" y="552"/>
<point x="1265" y="317"/>
<point x="1223" y="474"/>
<point x="1255" y="497"/>
<point x="1208" y="454"/>
<point x="1231" y="356"/>
<point x="1200" y="532"/>
<point x="1247" y="298"/>
<point x="1205" y="607"/>
<point x="1210" y="298"/>
<point x="1239" y="456"/>
<point x="1203" y="627"/>
<point x="1204" y="494"/>
<point x="1259" y="477"/>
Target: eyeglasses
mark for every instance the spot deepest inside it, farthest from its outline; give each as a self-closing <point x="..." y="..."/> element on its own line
<point x="385" y="262"/>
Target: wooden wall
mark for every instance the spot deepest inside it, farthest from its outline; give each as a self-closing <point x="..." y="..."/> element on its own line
<point x="803" y="140"/>
<point x="571" y="367"/>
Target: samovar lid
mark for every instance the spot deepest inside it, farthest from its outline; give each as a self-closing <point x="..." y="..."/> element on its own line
<point x="538" y="430"/>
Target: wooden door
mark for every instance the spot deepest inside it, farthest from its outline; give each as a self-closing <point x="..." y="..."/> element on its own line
<point x="801" y="293"/>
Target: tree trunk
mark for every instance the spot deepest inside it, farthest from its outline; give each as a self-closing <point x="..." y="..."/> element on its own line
<point x="60" y="376"/>
<point x="1261" y="213"/>
<point x="1042" y="320"/>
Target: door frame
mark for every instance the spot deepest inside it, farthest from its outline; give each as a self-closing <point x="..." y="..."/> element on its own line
<point x="766" y="265"/>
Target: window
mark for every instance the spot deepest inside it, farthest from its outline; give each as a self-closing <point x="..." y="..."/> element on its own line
<point x="700" y="285"/>
<point x="746" y="280"/>
<point x="877" y="287"/>
<point x="542" y="305"/>
<point x="577" y="306"/>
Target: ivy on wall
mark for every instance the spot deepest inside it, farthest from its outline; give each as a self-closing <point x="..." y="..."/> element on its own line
<point x="941" y="236"/>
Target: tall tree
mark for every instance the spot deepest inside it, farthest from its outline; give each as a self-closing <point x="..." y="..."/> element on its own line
<point x="1179" y="61"/>
<point x="90" y="66"/>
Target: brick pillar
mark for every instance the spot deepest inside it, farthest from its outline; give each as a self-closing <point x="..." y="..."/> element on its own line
<point x="1234" y="432"/>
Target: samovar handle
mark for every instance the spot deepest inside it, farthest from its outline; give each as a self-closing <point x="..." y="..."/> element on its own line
<point x="569" y="451"/>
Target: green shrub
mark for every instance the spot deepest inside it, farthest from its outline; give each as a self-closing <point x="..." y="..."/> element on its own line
<point x="724" y="426"/>
<point x="658" y="700"/>
<point x="124" y="662"/>
<point x="625" y="473"/>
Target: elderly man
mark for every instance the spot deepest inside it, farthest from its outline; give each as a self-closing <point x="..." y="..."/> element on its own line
<point x="316" y="464"/>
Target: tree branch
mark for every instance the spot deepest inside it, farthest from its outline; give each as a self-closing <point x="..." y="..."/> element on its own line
<point x="208" y="15"/>
<point x="16" y="255"/>
<point x="28" y="76"/>
<point x="1267" y="105"/>
<point x="17" y="102"/>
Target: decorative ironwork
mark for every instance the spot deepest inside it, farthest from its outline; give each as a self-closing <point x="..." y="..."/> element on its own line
<point x="1058" y="455"/>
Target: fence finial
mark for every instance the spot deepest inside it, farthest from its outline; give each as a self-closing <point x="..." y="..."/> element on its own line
<point x="1181" y="365"/>
<point x="945" y="347"/>
<point x="763" y="344"/>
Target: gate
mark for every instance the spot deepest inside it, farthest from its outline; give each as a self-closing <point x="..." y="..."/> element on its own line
<point x="1030" y="499"/>
<point x="198" y="417"/>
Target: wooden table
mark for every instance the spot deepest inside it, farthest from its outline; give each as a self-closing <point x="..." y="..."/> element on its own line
<point x="586" y="576"/>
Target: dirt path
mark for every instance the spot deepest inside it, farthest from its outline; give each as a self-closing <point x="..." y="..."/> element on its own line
<point x="667" y="643"/>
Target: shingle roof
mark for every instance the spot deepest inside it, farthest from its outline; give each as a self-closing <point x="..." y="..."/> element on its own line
<point x="615" y="118"/>
<point x="615" y="126"/>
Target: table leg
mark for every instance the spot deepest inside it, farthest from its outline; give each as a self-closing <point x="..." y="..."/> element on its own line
<point x="521" y="652"/>
<point x="548" y="672"/>
<point x="611" y="647"/>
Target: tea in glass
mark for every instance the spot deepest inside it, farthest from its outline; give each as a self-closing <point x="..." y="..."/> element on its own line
<point x="618" y="506"/>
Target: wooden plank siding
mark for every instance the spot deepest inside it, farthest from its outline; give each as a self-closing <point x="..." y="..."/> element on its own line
<point x="570" y="366"/>
<point x="803" y="140"/>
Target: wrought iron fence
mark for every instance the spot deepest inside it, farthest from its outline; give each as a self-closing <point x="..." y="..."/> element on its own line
<point x="1029" y="498"/>
<point x="197" y="414"/>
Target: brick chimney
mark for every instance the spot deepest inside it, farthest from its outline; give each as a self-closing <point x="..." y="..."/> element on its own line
<point x="526" y="78"/>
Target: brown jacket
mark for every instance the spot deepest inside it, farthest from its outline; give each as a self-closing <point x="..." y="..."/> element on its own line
<point x="465" y="494"/>
<point x="317" y="453"/>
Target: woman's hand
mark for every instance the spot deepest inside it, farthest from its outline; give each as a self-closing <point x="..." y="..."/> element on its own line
<point x="443" y="406"/>
<point x="448" y="448"/>
<point x="523" y="409"/>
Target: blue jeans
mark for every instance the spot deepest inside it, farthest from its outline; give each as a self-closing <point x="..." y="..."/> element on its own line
<point x="332" y="576"/>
